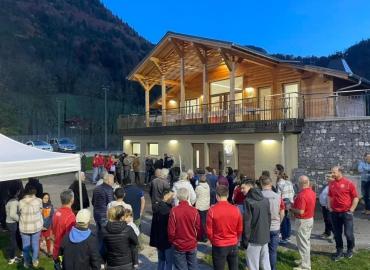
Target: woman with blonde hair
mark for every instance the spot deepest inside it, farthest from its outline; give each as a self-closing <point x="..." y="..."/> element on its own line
<point x="119" y="241"/>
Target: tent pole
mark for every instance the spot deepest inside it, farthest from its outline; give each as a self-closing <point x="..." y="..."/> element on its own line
<point x="80" y="189"/>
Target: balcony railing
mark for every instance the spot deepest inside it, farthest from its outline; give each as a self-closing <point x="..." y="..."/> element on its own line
<point x="346" y="104"/>
<point x="250" y="109"/>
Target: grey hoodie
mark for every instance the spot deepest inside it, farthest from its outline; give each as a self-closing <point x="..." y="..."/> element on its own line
<point x="256" y="218"/>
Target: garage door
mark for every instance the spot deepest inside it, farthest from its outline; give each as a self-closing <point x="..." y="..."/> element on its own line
<point x="216" y="156"/>
<point x="198" y="155"/>
<point x="246" y="159"/>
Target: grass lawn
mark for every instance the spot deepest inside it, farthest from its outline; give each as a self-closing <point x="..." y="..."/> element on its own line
<point x="45" y="262"/>
<point x="360" y="261"/>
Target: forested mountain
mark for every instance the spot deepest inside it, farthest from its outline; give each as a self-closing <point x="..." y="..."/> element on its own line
<point x="357" y="57"/>
<point x="60" y="49"/>
<point x="64" y="51"/>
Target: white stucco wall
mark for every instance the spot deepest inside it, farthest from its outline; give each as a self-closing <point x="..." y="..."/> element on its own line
<point x="268" y="148"/>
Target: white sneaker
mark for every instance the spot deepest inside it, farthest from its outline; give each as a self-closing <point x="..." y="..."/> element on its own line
<point x="14" y="260"/>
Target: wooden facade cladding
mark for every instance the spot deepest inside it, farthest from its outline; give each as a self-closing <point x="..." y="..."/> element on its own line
<point x="186" y="66"/>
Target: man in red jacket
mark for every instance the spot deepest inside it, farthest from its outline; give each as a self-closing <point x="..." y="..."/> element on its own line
<point x="183" y="230"/>
<point x="224" y="229"/>
<point x="63" y="221"/>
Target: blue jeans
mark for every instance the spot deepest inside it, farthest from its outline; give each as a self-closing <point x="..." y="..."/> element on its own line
<point x="185" y="260"/>
<point x="30" y="241"/>
<point x="285" y="227"/>
<point x="165" y="259"/>
<point x="95" y="174"/>
<point x="273" y="245"/>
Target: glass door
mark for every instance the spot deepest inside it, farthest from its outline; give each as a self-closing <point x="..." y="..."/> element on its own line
<point x="291" y="100"/>
<point x="264" y="103"/>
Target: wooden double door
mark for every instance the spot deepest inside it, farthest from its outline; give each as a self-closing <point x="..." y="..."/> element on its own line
<point x="246" y="160"/>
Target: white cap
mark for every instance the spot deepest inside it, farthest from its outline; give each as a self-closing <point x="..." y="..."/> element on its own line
<point x="83" y="216"/>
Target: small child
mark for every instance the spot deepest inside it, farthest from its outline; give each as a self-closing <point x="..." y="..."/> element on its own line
<point x="47" y="214"/>
<point x="128" y="218"/>
<point x="12" y="218"/>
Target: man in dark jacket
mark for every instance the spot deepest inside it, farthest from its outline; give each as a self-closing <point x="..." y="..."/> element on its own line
<point x="102" y="195"/>
<point x="34" y="182"/>
<point x="158" y="231"/>
<point x="256" y="231"/>
<point x="159" y="184"/>
<point x="78" y="247"/>
<point x="75" y="187"/>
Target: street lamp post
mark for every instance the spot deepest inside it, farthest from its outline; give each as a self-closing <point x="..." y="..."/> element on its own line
<point x="58" y="104"/>
<point x="105" y="88"/>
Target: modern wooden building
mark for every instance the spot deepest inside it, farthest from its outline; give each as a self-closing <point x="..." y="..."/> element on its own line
<point x="223" y="104"/>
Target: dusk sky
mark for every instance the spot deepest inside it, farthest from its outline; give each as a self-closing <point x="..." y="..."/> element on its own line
<point x="290" y="27"/>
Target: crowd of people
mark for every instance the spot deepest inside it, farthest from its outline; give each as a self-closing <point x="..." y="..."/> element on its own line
<point x="229" y="210"/>
<point x="122" y="165"/>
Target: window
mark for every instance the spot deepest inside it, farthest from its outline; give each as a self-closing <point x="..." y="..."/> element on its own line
<point x="153" y="149"/>
<point x="223" y="86"/>
<point x="136" y="148"/>
<point x="192" y="105"/>
<point x="291" y="100"/>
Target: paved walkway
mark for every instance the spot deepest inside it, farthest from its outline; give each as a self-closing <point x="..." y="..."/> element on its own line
<point x="55" y="184"/>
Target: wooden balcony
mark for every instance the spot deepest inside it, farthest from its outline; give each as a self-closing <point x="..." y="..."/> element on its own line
<point x="246" y="114"/>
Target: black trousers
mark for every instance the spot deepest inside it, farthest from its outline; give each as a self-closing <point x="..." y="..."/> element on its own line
<point x="203" y="220"/>
<point x="222" y="254"/>
<point x="15" y="239"/>
<point x="327" y="220"/>
<point x="340" y="221"/>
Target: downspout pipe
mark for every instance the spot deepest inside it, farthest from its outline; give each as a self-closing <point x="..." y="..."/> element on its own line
<point x="351" y="86"/>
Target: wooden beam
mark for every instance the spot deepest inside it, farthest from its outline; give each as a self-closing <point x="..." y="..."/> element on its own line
<point x="226" y="58"/>
<point x="178" y="48"/>
<point x="164" y="109"/>
<point x="154" y="81"/>
<point x="201" y="53"/>
<point x="147" y="108"/>
<point x="156" y="63"/>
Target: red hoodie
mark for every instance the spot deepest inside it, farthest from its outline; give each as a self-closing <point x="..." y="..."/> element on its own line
<point x="184" y="227"/>
<point x="224" y="224"/>
<point x="63" y="221"/>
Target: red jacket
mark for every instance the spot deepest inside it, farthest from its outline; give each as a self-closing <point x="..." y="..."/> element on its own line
<point x="109" y="162"/>
<point x="224" y="224"/>
<point x="100" y="161"/>
<point x="96" y="162"/>
<point x="184" y="227"/>
<point x="63" y="221"/>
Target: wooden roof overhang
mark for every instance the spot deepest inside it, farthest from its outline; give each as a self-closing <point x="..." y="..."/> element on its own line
<point x="164" y="59"/>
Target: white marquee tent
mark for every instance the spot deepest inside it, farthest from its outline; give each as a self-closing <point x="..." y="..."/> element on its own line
<point x="19" y="161"/>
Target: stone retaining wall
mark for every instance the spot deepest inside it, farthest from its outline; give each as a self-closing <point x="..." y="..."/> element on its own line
<point x="323" y="144"/>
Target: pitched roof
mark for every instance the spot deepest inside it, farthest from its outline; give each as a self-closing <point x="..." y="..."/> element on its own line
<point x="160" y="50"/>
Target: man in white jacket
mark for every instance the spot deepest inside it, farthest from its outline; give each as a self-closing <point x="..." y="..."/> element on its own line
<point x="184" y="183"/>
